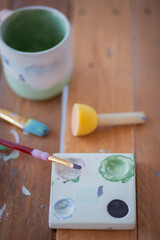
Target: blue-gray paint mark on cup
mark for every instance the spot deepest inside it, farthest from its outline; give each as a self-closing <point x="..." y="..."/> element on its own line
<point x="5" y="60"/>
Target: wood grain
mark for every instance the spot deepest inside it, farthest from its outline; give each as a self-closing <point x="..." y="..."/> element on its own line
<point x="147" y="86"/>
<point x="26" y="217"/>
<point x="102" y="78"/>
<point x="116" y="69"/>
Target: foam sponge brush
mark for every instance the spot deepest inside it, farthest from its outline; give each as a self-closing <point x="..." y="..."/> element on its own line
<point x="85" y="120"/>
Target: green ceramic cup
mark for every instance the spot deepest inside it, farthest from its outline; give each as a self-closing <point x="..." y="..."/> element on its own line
<point x="36" y="51"/>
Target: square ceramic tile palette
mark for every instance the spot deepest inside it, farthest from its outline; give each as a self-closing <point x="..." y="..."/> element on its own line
<point x="99" y="196"/>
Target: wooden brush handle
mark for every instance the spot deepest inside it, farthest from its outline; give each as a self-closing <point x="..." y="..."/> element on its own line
<point x="16" y="146"/>
<point x="121" y="118"/>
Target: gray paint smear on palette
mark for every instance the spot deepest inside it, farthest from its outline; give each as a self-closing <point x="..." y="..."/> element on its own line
<point x="100" y="191"/>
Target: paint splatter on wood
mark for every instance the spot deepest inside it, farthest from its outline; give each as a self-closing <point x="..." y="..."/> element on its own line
<point x="25" y="191"/>
<point x="156" y="174"/>
<point x="101" y="150"/>
<point x="109" y="51"/>
<point x="2" y="211"/>
<point x="14" y="154"/>
<point x="15" y="134"/>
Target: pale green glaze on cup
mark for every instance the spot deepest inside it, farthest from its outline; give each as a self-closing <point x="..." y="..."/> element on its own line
<point x="36" y="52"/>
<point x="25" y="91"/>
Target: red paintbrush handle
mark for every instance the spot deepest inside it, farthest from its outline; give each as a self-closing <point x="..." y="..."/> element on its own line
<point x="16" y="146"/>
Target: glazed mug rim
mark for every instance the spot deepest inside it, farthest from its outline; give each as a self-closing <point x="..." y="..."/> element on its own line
<point x="57" y="12"/>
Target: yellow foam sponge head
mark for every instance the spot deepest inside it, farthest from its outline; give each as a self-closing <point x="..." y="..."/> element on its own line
<point x="84" y="119"/>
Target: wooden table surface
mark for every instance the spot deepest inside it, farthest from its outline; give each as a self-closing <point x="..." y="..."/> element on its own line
<point x="116" y="47"/>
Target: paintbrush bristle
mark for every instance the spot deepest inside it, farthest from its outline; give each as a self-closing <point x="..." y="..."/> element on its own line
<point x="76" y="166"/>
<point x="36" y="128"/>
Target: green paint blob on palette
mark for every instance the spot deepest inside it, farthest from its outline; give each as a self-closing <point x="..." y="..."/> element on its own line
<point x="99" y="196"/>
<point x="117" y="168"/>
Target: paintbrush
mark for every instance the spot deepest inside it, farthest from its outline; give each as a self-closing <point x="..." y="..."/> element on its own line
<point x="27" y="124"/>
<point x="38" y="154"/>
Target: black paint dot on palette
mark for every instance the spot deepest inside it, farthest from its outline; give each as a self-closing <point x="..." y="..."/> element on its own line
<point x="116" y="11"/>
<point x="117" y="208"/>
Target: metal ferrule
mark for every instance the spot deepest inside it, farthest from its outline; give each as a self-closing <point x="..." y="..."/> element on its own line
<point x="13" y="118"/>
<point x="60" y="161"/>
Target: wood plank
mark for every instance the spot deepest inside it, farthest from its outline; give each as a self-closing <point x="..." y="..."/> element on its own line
<point x="26" y="217"/>
<point x="58" y="4"/>
<point x="147" y="86"/>
<point x="102" y="78"/>
<point x="4" y="4"/>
